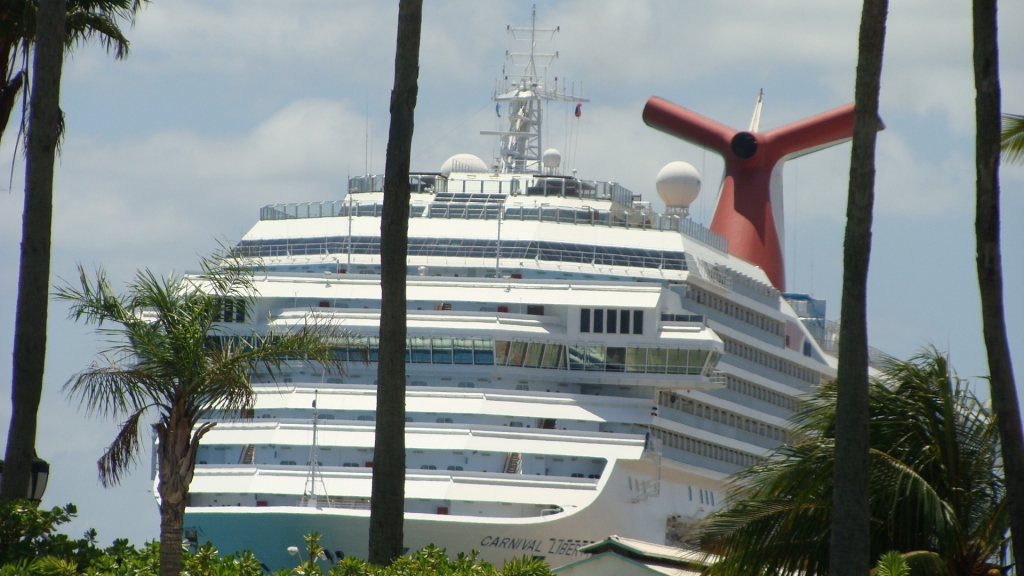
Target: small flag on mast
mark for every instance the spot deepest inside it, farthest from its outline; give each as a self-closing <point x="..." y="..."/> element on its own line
<point x="579" y="109"/>
<point x="497" y="110"/>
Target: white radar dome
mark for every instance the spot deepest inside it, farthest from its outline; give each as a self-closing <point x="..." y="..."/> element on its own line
<point x="678" y="184"/>
<point x="463" y="163"/>
<point x="551" y="158"/>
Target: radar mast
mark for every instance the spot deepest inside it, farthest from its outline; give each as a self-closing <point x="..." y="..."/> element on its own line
<point x="520" y="147"/>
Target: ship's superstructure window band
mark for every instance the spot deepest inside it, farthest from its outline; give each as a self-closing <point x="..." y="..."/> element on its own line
<point x="611" y="321"/>
<point x="738" y="421"/>
<point x="581" y="357"/>
<point x="705" y="449"/>
<point x="759" y="392"/>
<point x="475" y="248"/>
<point x="769" y="361"/>
<point x="738" y="312"/>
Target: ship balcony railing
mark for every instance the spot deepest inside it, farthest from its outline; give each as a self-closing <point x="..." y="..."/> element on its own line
<point x="485" y="249"/>
<point x="329" y="312"/>
<point x="360" y="426"/>
<point x="826" y="334"/>
<point x="411" y="474"/>
<point x="635" y="219"/>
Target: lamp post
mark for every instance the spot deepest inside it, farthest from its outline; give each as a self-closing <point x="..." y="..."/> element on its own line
<point x="39" y="478"/>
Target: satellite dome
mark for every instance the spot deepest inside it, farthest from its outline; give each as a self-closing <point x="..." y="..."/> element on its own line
<point x="463" y="163"/>
<point x="678" y="184"/>
<point x="551" y="158"/>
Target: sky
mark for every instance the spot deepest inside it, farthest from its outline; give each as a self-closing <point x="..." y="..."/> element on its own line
<point x="223" y="107"/>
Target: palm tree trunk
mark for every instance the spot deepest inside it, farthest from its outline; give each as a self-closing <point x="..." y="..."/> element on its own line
<point x="177" y="447"/>
<point x="850" y="546"/>
<point x="34" y="274"/>
<point x="989" y="261"/>
<point x="387" y="504"/>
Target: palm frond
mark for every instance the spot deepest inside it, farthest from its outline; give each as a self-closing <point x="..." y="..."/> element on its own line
<point x="112" y="390"/>
<point x="122" y="452"/>
<point x="935" y="480"/>
<point x="893" y="564"/>
<point x="81" y="27"/>
<point x="1011" y="141"/>
<point x="93" y="302"/>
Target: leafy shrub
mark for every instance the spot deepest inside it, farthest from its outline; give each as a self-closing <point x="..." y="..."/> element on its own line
<point x="31" y="546"/>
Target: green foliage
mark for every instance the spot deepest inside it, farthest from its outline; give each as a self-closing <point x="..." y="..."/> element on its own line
<point x="526" y="567"/>
<point x="925" y="563"/>
<point x="171" y="354"/>
<point x="31" y="546"/>
<point x="28" y="533"/>
<point x="1011" y="141"/>
<point x="892" y="563"/>
<point x="431" y="561"/>
<point x="935" y="479"/>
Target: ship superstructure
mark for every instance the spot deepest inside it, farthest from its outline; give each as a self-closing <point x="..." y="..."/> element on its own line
<point x="579" y="365"/>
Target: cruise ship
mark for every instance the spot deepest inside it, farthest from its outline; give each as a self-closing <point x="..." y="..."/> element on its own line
<point x="579" y="364"/>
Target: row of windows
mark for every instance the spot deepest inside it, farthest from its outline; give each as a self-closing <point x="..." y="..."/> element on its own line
<point x="714" y="414"/>
<point x="738" y="312"/>
<point x="706" y="496"/>
<point x="759" y="392"/>
<point x="584" y="357"/>
<point x="231" y="309"/>
<point x="706" y="449"/>
<point x="611" y="321"/>
<point x="769" y="361"/>
<point x="474" y="248"/>
<point x="698" y="318"/>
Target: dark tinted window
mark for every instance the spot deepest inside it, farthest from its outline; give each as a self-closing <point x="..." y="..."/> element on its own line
<point x="612" y="321"/>
<point x="585" y="320"/>
<point x="624" y="321"/>
<point x="598" y="320"/>
<point x="638" y="321"/>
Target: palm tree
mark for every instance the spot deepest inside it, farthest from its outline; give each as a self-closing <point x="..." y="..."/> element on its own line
<point x="83" y="21"/>
<point x="936" y="481"/>
<point x="53" y="28"/>
<point x="387" y="502"/>
<point x="34" y="273"/>
<point x="1011" y="140"/>
<point x="176" y="362"/>
<point x="989" y="257"/>
<point x="850" y="543"/>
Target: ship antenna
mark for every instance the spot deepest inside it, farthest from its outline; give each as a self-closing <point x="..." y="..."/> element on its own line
<point x="521" y="146"/>
<point x="315" y="474"/>
<point x="755" y="122"/>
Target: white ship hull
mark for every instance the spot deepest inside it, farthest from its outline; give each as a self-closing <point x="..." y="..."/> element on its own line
<point x="578" y="365"/>
<point x="269" y="531"/>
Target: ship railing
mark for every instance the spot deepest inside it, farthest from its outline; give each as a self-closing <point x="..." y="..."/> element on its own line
<point x="345" y="504"/>
<point x="717" y="378"/>
<point x="511" y="250"/>
<point x="826" y="334"/>
<point x="419" y="182"/>
<point x="641" y="219"/>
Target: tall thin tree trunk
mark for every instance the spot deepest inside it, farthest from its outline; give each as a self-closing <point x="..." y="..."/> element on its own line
<point x="850" y="546"/>
<point x="34" y="274"/>
<point x="177" y="448"/>
<point x="989" y="260"/>
<point x="387" y="504"/>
